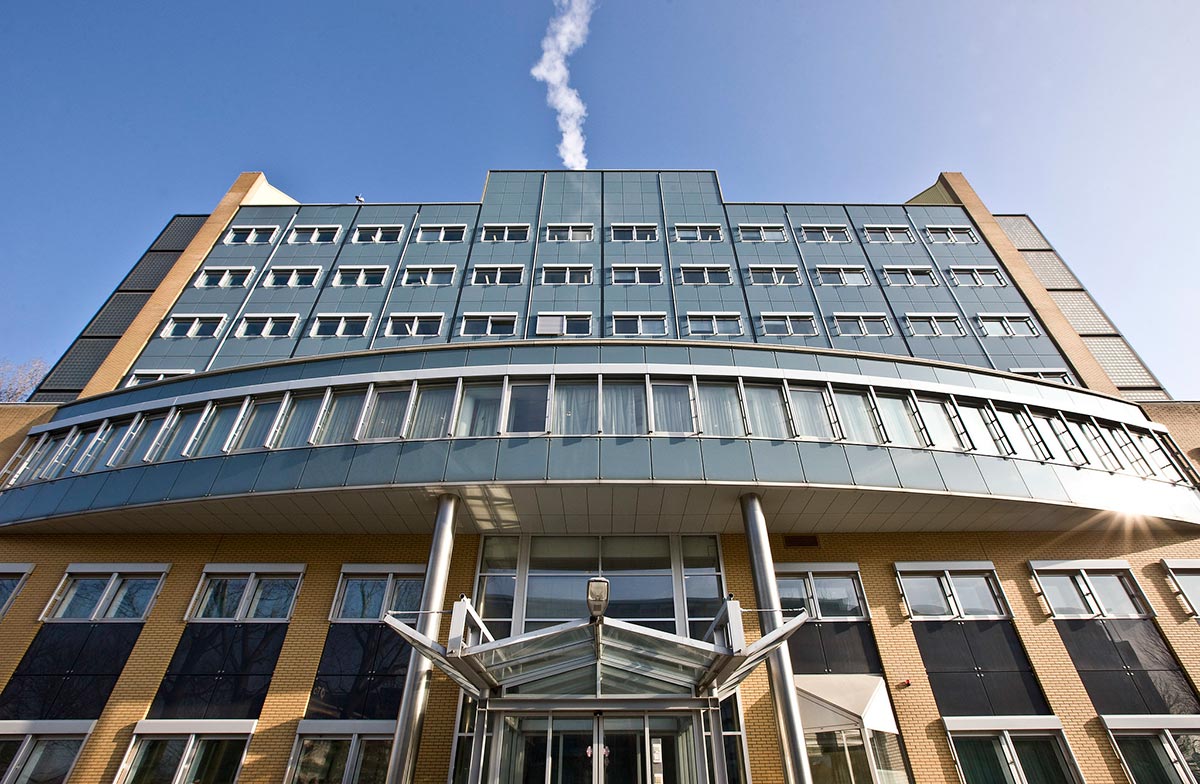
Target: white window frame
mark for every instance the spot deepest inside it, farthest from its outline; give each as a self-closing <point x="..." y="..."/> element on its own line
<point x="944" y="571"/>
<point x="787" y="321"/>
<point x="316" y="230"/>
<point x="388" y="332"/>
<point x="706" y="270"/>
<point x="909" y="279"/>
<point x="1006" y="320"/>
<point x="355" y="731"/>
<point x="196" y="319"/>
<point x="775" y="269"/>
<point x="762" y="230"/>
<point x="1005" y="728"/>
<point x="194" y="730"/>
<point x="861" y="318"/>
<point x="1058" y="375"/>
<point x="253" y="572"/>
<point x="441" y="232"/>
<point x="582" y="229"/>
<point x="271" y="319"/>
<point x="377" y="231"/>
<point x="141" y="376"/>
<point x="893" y="231"/>
<point x="342" y="318"/>
<point x="506" y="227"/>
<point x="392" y="572"/>
<point x="824" y="229"/>
<point x="952" y="232"/>
<point x="492" y="318"/>
<point x="427" y="270"/>
<point x="499" y="269"/>
<point x="115" y="572"/>
<point x="642" y="317"/>
<point x="30" y="732"/>
<point x="841" y="270"/>
<point x="1160" y="727"/>
<point x="1080" y="569"/>
<point x="271" y="279"/>
<point x="808" y="571"/>
<point x="699" y="229"/>
<point x="565" y="316"/>
<point x="568" y="271"/>
<point x="638" y="269"/>
<point x="223" y="281"/>
<point x="715" y="317"/>
<point x="255" y="233"/>
<point x="957" y="273"/>
<point x="635" y="227"/>
<point x="1173" y="567"/>
<point x="936" y="321"/>
<point x="21" y="571"/>
<point x="359" y="271"/>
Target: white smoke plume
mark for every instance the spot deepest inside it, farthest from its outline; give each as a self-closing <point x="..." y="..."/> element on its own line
<point x="567" y="32"/>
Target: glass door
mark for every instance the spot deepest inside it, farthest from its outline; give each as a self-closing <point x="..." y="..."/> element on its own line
<point x="571" y="742"/>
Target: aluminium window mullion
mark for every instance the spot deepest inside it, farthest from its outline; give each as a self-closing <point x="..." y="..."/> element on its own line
<point x="548" y="421"/>
<point x="368" y="401"/>
<point x="1084" y="583"/>
<point x="964" y="435"/>
<point x="60" y="455"/>
<point x="205" y="416"/>
<point x="277" y="423"/>
<point x="997" y="430"/>
<point x="156" y="445"/>
<point x="106" y="596"/>
<point x="455" y="406"/>
<point x="1166" y="443"/>
<point x="950" y="594"/>
<point x="319" y="423"/>
<point x="904" y="597"/>
<point x="747" y="427"/>
<point x="915" y="410"/>
<point x="876" y="416"/>
<point x="697" y="414"/>
<point x="1033" y="434"/>
<point x="831" y="411"/>
<point x="1099" y="443"/>
<point x="88" y="453"/>
<point x="14" y="466"/>
<point x="789" y="412"/>
<point x="1141" y="453"/>
<point x="409" y="408"/>
<point x="243" y="608"/>
<point x="236" y="427"/>
<point x="1075" y="453"/>
<point x="649" y="404"/>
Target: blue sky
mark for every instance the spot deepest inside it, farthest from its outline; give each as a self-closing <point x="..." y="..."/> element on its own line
<point x="1083" y="114"/>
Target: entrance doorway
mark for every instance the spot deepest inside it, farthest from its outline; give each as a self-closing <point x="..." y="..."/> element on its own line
<point x="604" y="748"/>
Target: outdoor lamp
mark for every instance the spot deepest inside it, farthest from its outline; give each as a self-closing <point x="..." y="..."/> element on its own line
<point x="597" y="596"/>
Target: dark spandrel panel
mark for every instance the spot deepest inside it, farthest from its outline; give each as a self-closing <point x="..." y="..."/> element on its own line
<point x="392" y="654"/>
<point x="107" y="648"/>
<point x="995" y="646"/>
<point x="1141" y="645"/>
<point x="116" y="315"/>
<point x="338" y="697"/>
<point x="1166" y="691"/>
<point x="1114" y="691"/>
<point x="81" y="697"/>
<point x="960" y="694"/>
<point x="182" y="697"/>
<point x="179" y="232"/>
<point x="149" y="271"/>
<point x="943" y="646"/>
<point x="1089" y="644"/>
<point x="1014" y="694"/>
<point x="54" y="649"/>
<point x="237" y="696"/>
<point x="79" y="364"/>
<point x="201" y="649"/>
<point x="254" y="648"/>
<point x="850" y="648"/>
<point x="349" y="648"/>
<point x="29" y="697"/>
<point x="53" y="397"/>
<point x="383" y="697"/>
<point x="804" y="648"/>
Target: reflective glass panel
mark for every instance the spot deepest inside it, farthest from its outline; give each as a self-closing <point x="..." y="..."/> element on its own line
<point x="768" y="415"/>
<point x="575" y="408"/>
<point x="157" y="760"/>
<point x="672" y="408"/>
<point x="215" y="761"/>
<point x="720" y="411"/>
<point x="982" y="760"/>
<point x="939" y="423"/>
<point x="273" y="597"/>
<point x="431" y="413"/>
<point x="341" y="418"/>
<point x="257" y="425"/>
<point x="975" y="594"/>
<point x="49" y="761"/>
<point x="387" y="414"/>
<point x="322" y="761"/>
<point x="925" y="595"/>
<point x="1147" y="759"/>
<point x="564" y="554"/>
<point x="479" y="412"/>
<point x="298" y="422"/>
<point x="1113" y="594"/>
<point x="527" y="408"/>
<point x="811" y="415"/>
<point x="837" y="596"/>
<point x="1041" y="760"/>
<point x="373" y="757"/>
<point x="1063" y="593"/>
<point x="858" y="422"/>
<point x="898" y="420"/>
<point x="216" y="430"/>
<point x="132" y="597"/>
<point x="81" y="597"/>
<point x="624" y="408"/>
<point x="362" y="597"/>
<point x="221" y="597"/>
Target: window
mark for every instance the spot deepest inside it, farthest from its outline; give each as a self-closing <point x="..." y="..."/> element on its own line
<point x="292" y="277"/>
<point x="831" y="233"/>
<point x="89" y="594"/>
<point x="267" y="326"/>
<point x="720" y="410"/>
<point x="857" y="416"/>
<point x="626" y="324"/>
<point x="825" y="595"/>
<point x="1003" y="756"/>
<point x="194" y="759"/>
<point x="624" y="408"/>
<point x="188" y="326"/>
<point x="762" y="233"/>
<point x="251" y="235"/>
<point x="139" y="377"/>
<point x="38" y="759"/>
<point x="224" y="277"/>
<point x="943" y="426"/>
<point x="246" y="593"/>
<point x="378" y="235"/>
<point x="842" y="276"/>
<point x="714" y="324"/>
<point x="862" y="324"/>
<point x="481" y="324"/>
<point x="1057" y="375"/>
<point x="951" y="234"/>
<point x="368" y="593"/>
<point x="901" y="425"/>
<point x="386" y="412"/>
<point x="983" y="429"/>
<point x="774" y="276"/>
<point x="697" y="232"/>
<point x="672" y="407"/>
<point x="497" y="275"/>
<point x="411" y="325"/>
<point x="1103" y="589"/>
<point x="893" y="234"/>
<point x="342" y="759"/>
<point x="1006" y="325"/>
<point x="1184" y="574"/>
<point x="569" y="232"/>
<point x="12" y="577"/>
<point x="428" y="276"/>
<point x="954" y="590"/>
<point x="789" y="324"/>
<point x="360" y="276"/>
<point x="454" y="233"/>
<point x="527" y="408"/>
<point x="1162" y="757"/>
<point x="566" y="274"/>
<point x="977" y="276"/>
<point x="699" y="275"/>
<point x="295" y="426"/>
<point x="813" y="413"/>
<point x="634" y="232"/>
<point x="314" y="235"/>
<point x="498" y="233"/>
<point x="909" y="276"/>
<point x="630" y="275"/>
<point x="340" y="326"/>
<point x="575" y="409"/>
<point x="564" y="324"/>
<point x="339" y="417"/>
<point x="766" y="411"/>
<point x="837" y="638"/>
<point x="214" y="429"/>
<point x="479" y="410"/>
<point x="934" y="325"/>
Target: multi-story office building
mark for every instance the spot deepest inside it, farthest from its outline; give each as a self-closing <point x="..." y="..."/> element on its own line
<point x="321" y="493"/>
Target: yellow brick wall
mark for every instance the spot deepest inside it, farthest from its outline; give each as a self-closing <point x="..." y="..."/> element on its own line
<point x="15" y="421"/>
<point x="1183" y="420"/>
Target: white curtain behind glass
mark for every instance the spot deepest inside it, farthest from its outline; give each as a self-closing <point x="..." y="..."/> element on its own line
<point x="341" y="418"/>
<point x="299" y="420"/>
<point x="720" y="413"/>
<point x="431" y="416"/>
<point x="812" y="418"/>
<point x="479" y="414"/>
<point x="768" y="416"/>
<point x="624" y="408"/>
<point x="855" y="411"/>
<point x="672" y="408"/>
<point x="575" y="406"/>
<point x="387" y="414"/>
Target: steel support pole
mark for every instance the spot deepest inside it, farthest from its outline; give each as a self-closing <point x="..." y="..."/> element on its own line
<point x="416" y="686"/>
<point x="779" y="666"/>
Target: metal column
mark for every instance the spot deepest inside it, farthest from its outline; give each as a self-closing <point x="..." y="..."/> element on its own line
<point x="779" y="666"/>
<point x="416" y="685"/>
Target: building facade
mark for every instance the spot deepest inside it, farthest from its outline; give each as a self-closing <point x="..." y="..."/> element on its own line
<point x="877" y="494"/>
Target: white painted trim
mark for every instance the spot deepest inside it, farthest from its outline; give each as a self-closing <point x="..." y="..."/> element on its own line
<point x="341" y="319"/>
<point x="441" y="227"/>
<point x="16" y="568"/>
<point x="240" y="332"/>
<point x="346" y="727"/>
<point x="1086" y="563"/>
<point x="122" y="568"/>
<point x="337" y="233"/>
<point x="360" y="226"/>
<point x="816" y="567"/>
<point x="373" y="568"/>
<point x="1001" y="723"/>
<point x="47" y="726"/>
<point x="1169" y="563"/>
<point x="195" y="727"/>
<point x="195" y="318"/>
<point x="945" y="566"/>
<point x="1142" y="722"/>
<point x="242" y="227"/>
<point x="258" y="568"/>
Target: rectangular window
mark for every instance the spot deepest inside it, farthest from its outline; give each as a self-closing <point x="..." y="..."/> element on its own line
<point x="496" y="275"/>
<point x="714" y="324"/>
<point x="720" y="410"/>
<point x="943" y="426"/>
<point x="697" y="232"/>
<point x="766" y="410"/>
<point x="342" y="759"/>
<point x="983" y="428"/>
<point x="38" y="759"/>
<point x="893" y="234"/>
<point x="454" y="233"/>
<point x="412" y="325"/>
<point x="1057" y="375"/>
<point x="564" y="324"/>
<point x="139" y="377"/>
<point x="479" y="410"/>
<point x="576" y="405"/>
<point x="1185" y="574"/>
<point x="934" y="325"/>
<point x="295" y="427"/>
<point x="224" y="277"/>
<point x="774" y="276"/>
<point x="812" y="412"/>
<point x="12" y="577"/>
<point x="251" y="235"/>
<point x="360" y="276"/>
<point x="339" y="417"/>
<point x="789" y="324"/>
<point x="432" y="409"/>
<point x="858" y="416"/>
<point x="862" y="324"/>
<point x="195" y="759"/>
<point x="267" y="326"/>
<point x="630" y="324"/>
<point x="368" y="595"/>
<point x="672" y="408"/>
<point x="951" y="591"/>
<point x="569" y="232"/>
<point x="909" y="276"/>
<point x="488" y="324"/>
<point x="88" y="594"/>
<point x="226" y="594"/>
<point x="566" y="275"/>
<point x="314" y="235"/>
<point x="189" y="326"/>
<point x="842" y="276"/>
<point x="1160" y="757"/>
<point x="415" y="275"/>
<point x="830" y="233"/>
<point x="624" y="408"/>
<point x="977" y="276"/>
<point x="699" y="275"/>
<point x="378" y="235"/>
<point x="634" y="232"/>
<point x="1095" y="590"/>
<point x="385" y="417"/>
<point x="1006" y="325"/>
<point x="999" y="757"/>
<point x="292" y="277"/>
<point x="951" y="234"/>
<point x="493" y="232"/>
<point x="825" y="595"/>
<point x="527" y="407"/>
<point x="630" y="275"/>
<point x="336" y="325"/>
<point x="762" y="232"/>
